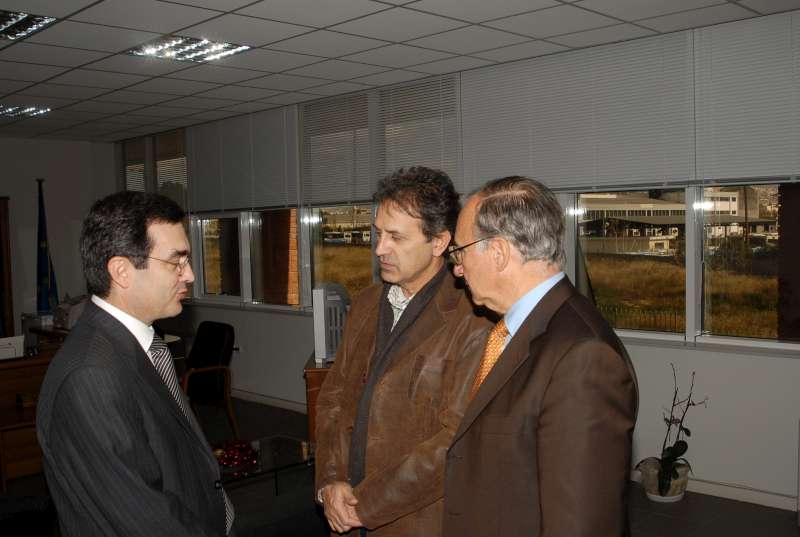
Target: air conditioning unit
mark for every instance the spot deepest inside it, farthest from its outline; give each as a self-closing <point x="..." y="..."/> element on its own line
<point x="331" y="304"/>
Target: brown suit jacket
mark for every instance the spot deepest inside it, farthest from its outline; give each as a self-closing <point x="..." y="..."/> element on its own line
<point x="415" y="409"/>
<point x="545" y="446"/>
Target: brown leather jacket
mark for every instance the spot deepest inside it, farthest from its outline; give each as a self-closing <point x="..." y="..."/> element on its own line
<point x="416" y="408"/>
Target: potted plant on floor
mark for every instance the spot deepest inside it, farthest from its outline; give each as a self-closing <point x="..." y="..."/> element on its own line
<point x="665" y="478"/>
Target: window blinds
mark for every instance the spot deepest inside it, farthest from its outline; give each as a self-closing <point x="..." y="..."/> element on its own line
<point x="601" y="117"/>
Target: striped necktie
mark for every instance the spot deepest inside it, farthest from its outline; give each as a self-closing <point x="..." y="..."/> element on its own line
<point x="493" y="350"/>
<point x="162" y="360"/>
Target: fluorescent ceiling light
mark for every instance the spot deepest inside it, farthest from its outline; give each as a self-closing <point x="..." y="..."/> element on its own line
<point x="15" y="25"/>
<point x="19" y="111"/>
<point x="187" y="49"/>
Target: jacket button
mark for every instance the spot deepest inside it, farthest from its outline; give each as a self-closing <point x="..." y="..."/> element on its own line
<point x="217" y="484"/>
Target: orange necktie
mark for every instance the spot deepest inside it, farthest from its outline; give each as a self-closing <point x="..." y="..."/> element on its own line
<point x="494" y="347"/>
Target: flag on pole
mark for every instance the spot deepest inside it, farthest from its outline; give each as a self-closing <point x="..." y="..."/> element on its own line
<point x="46" y="289"/>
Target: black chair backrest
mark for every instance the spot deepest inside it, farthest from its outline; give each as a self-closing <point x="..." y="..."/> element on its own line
<point x="213" y="345"/>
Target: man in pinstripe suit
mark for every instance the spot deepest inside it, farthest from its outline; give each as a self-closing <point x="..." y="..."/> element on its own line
<point x="122" y="455"/>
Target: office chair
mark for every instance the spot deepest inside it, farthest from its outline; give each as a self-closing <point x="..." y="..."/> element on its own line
<point x="207" y="379"/>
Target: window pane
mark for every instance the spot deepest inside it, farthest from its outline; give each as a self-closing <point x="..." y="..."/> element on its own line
<point x="134" y="164"/>
<point x="633" y="244"/>
<point x="171" y="166"/>
<point x="221" y="256"/>
<point x="273" y="250"/>
<point x="751" y="271"/>
<point x="342" y="252"/>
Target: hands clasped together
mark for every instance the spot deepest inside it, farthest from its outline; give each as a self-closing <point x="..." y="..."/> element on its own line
<point x="340" y="507"/>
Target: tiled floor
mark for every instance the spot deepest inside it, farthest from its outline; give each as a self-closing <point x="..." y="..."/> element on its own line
<point x="294" y="514"/>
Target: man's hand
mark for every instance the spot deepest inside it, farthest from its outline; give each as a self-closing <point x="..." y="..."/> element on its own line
<point x="340" y="507"/>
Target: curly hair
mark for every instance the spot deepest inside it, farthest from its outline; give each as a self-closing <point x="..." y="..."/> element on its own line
<point x="423" y="193"/>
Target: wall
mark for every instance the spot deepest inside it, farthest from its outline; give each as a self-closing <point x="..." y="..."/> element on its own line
<point x="76" y="174"/>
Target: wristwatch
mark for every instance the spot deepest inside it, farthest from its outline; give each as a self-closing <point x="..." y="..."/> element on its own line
<point x="320" y="497"/>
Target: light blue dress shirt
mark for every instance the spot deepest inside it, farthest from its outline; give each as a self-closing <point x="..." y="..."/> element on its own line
<point x="520" y="310"/>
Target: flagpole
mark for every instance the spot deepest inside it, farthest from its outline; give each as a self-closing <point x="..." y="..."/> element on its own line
<point x="46" y="288"/>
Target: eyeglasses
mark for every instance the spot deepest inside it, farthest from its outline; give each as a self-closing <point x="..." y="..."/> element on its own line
<point x="179" y="266"/>
<point x="456" y="252"/>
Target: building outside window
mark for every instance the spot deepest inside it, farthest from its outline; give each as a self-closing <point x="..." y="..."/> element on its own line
<point x="633" y="246"/>
<point x="220" y="245"/>
<point x="274" y="257"/>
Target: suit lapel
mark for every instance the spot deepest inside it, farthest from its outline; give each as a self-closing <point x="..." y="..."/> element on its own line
<point x="136" y="360"/>
<point x="517" y="352"/>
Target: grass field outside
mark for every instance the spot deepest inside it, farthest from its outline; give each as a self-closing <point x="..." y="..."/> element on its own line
<point x="350" y="266"/>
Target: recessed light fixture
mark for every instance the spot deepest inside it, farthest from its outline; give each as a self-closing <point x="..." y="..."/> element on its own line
<point x="188" y="49"/>
<point x="14" y="25"/>
<point x="19" y="111"/>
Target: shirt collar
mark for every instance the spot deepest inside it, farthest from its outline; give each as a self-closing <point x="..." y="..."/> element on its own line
<point x="142" y="332"/>
<point x="520" y="310"/>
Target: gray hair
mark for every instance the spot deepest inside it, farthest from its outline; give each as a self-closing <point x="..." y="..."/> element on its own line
<point x="524" y="212"/>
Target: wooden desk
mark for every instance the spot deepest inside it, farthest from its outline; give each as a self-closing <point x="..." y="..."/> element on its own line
<point x="314" y="375"/>
<point x="19" y="450"/>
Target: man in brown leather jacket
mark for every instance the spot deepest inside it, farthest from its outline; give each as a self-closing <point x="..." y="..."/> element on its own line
<point x="396" y="393"/>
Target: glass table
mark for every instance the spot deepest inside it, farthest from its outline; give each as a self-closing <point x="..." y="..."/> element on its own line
<point x="264" y="457"/>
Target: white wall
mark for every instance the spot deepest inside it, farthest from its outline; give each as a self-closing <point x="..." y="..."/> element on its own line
<point x="76" y="174"/>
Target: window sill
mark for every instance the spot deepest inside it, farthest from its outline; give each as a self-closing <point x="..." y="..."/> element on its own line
<point x="235" y="304"/>
<point x="737" y="345"/>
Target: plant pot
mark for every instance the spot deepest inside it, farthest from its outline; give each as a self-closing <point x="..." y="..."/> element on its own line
<point x="649" y="469"/>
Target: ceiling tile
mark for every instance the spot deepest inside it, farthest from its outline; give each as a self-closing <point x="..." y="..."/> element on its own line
<point x="74" y="115"/>
<point x="57" y="123"/>
<point x="553" y="21"/>
<point x="398" y="56"/>
<point x="202" y="103"/>
<point x="220" y="5"/>
<point x="337" y="70"/>
<point x="134" y="119"/>
<point x="389" y="77"/>
<point x="312" y="12"/>
<point x="631" y="10"/>
<point x="239" y="93"/>
<point x="771" y="6"/>
<point x="28" y="100"/>
<point x="174" y="86"/>
<point x="285" y="82"/>
<point x="150" y="15"/>
<point x="269" y="60"/>
<point x="213" y="114"/>
<point x="63" y="91"/>
<point x="103" y="107"/>
<point x="448" y="66"/>
<point x="178" y="122"/>
<point x="480" y="10"/>
<point x="518" y="52"/>
<point x="291" y="98"/>
<point x="135" y="97"/>
<point x="98" y="79"/>
<point x="165" y="111"/>
<point x="28" y="71"/>
<point x="139" y="65"/>
<point x="91" y="36"/>
<point x="214" y="73"/>
<point x="51" y="8"/>
<point x="398" y="24"/>
<point x="697" y="18"/>
<point x="10" y="86"/>
<point x="468" y="40"/>
<point x="247" y="108"/>
<point x="337" y="88"/>
<point x="327" y="44"/>
<point x="609" y="34"/>
<point x="244" y="30"/>
<point x="48" y="54"/>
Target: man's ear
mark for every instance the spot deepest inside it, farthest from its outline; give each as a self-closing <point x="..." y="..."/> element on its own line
<point x="441" y="242"/>
<point x="120" y="269"/>
<point x="500" y="252"/>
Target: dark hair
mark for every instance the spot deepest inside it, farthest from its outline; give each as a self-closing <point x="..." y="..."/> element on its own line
<point x="117" y="226"/>
<point x="526" y="213"/>
<point x="423" y="193"/>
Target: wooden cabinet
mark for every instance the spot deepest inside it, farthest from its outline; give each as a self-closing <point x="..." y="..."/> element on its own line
<point x="314" y="375"/>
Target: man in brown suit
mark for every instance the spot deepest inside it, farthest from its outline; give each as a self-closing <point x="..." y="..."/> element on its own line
<point x="544" y="449"/>
<point x="397" y="390"/>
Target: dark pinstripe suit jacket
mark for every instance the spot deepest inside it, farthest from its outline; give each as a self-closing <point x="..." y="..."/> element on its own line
<point x="120" y="457"/>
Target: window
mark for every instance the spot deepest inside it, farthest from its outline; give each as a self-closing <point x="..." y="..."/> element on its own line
<point x="273" y="254"/>
<point x="171" y="166"/>
<point x="220" y="253"/>
<point x="134" y="151"/>
<point x="635" y="263"/>
<point x="751" y="277"/>
<point x="342" y="253"/>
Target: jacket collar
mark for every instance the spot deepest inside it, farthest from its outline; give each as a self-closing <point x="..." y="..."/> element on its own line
<point x="517" y="351"/>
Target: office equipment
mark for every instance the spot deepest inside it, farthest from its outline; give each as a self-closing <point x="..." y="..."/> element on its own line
<point x="11" y="347"/>
<point x="331" y="303"/>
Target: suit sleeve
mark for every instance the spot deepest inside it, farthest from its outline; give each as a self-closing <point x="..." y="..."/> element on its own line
<point x="101" y="455"/>
<point x="417" y="480"/>
<point x="584" y="440"/>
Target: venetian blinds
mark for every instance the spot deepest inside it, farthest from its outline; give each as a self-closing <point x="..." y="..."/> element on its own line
<point x="171" y="173"/>
<point x="133" y="151"/>
<point x="601" y="117"/>
<point x="350" y="142"/>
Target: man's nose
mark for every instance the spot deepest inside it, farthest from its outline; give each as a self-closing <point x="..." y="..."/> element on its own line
<point x="188" y="274"/>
